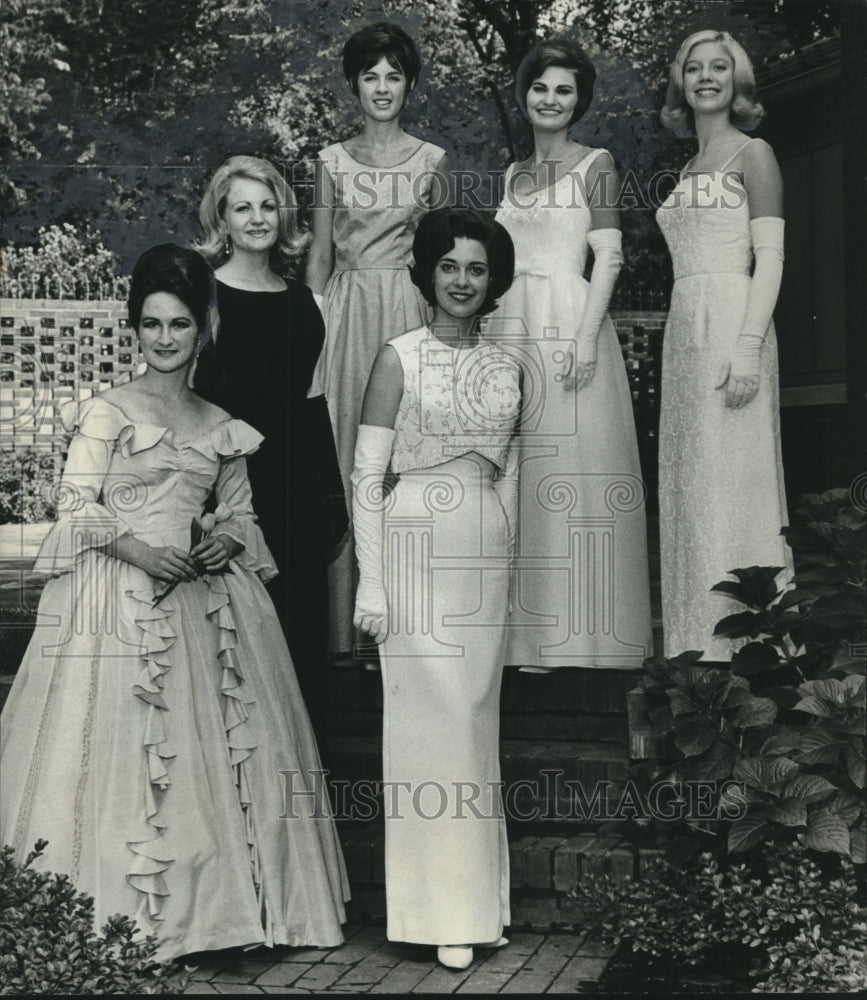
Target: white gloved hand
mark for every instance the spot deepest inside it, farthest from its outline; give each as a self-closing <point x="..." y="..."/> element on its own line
<point x="741" y="375"/>
<point x="372" y="454"/>
<point x="607" y="261"/>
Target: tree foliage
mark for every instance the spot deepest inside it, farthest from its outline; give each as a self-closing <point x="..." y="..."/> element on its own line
<point x="117" y="113"/>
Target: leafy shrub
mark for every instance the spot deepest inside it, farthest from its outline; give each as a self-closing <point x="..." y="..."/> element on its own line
<point x="66" y="262"/>
<point x="26" y="477"/>
<point x="785" y="723"/>
<point x="791" y="925"/>
<point x="48" y="944"/>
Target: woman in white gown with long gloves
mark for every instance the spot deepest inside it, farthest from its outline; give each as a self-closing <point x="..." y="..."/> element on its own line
<point x="155" y="724"/>
<point x="582" y="595"/>
<point x="722" y="498"/>
<point x="440" y="412"/>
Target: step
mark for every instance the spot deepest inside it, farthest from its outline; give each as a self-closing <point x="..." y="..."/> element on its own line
<point x="538" y="725"/>
<point x="545" y="782"/>
<point x="544" y="871"/>
<point x="579" y="689"/>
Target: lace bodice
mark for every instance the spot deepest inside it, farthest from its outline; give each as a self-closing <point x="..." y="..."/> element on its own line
<point x="706" y="223"/>
<point x="377" y="209"/>
<point x="455" y="401"/>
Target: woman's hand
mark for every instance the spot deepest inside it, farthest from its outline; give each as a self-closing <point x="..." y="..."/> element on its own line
<point x="166" y="562"/>
<point x="371" y="611"/>
<point x="214" y="553"/>
<point x="585" y="362"/>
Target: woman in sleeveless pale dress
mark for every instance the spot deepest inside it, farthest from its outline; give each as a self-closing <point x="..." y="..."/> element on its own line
<point x="155" y="721"/>
<point x="582" y="594"/>
<point x="721" y="491"/>
<point x="371" y="191"/>
<point x="441" y="409"/>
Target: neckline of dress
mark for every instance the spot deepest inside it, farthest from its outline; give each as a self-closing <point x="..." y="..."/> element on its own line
<point x="252" y="291"/>
<point x="480" y="342"/>
<point x="375" y="166"/>
<point x="566" y="173"/>
<point x="177" y="445"/>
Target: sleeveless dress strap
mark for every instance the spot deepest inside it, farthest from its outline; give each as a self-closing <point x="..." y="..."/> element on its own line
<point x="737" y="152"/>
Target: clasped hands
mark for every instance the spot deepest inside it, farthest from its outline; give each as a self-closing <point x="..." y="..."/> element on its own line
<point x="209" y="553"/>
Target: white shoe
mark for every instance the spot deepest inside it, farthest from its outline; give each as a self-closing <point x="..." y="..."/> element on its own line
<point x="501" y="942"/>
<point x="455" y="956"/>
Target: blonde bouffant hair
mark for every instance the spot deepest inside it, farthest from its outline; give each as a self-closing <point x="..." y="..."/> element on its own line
<point x="290" y="241"/>
<point x="745" y="111"/>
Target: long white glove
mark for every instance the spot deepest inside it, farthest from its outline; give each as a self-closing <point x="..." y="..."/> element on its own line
<point x="372" y="454"/>
<point x="608" y="259"/>
<point x="506" y="488"/>
<point x="741" y="374"/>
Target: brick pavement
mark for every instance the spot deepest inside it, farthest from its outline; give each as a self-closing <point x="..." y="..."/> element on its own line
<point x="368" y="963"/>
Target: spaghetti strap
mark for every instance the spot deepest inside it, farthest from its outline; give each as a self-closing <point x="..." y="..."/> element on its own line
<point x="737" y="152"/>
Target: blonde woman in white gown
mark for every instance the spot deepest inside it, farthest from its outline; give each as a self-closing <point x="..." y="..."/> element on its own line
<point x="440" y="410"/>
<point x="722" y="497"/>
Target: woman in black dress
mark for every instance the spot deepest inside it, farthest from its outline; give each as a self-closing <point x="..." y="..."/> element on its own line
<point x="259" y="368"/>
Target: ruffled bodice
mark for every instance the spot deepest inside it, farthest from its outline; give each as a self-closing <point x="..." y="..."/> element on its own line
<point x="377" y="209"/>
<point x="706" y="223"/>
<point x="455" y="401"/>
<point x="129" y="477"/>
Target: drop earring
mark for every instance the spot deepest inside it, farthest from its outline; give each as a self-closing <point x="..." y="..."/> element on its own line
<point x="227" y="246"/>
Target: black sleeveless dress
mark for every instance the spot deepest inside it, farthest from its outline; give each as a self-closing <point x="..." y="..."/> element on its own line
<point x="260" y="370"/>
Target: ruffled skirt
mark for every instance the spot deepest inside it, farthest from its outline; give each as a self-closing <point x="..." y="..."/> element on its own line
<point x="166" y="756"/>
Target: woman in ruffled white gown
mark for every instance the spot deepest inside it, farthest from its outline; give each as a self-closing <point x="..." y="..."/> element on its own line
<point x="722" y="496"/>
<point x="582" y="596"/>
<point x="153" y="741"/>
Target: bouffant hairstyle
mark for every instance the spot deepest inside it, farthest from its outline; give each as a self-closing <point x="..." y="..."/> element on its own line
<point x="435" y="237"/>
<point x="290" y="241"/>
<point x="745" y="111"/>
<point x="368" y="45"/>
<point x="562" y="53"/>
<point x="176" y="270"/>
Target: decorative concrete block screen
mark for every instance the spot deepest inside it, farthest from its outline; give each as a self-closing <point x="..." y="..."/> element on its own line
<point x="55" y="350"/>
<point x="52" y="351"/>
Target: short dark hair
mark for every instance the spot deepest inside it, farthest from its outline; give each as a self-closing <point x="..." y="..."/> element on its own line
<point x="368" y="45"/>
<point x="562" y="53"/>
<point x="435" y="237"/>
<point x="176" y="270"/>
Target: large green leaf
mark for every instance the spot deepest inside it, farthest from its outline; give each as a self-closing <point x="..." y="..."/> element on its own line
<point x="737" y="626"/>
<point x="764" y="773"/>
<point x="693" y="736"/>
<point x="755" y="712"/>
<point x="826" y="831"/>
<point x="856" y="761"/>
<point x="789" y="812"/>
<point x="858" y="845"/>
<point x="807" y="788"/>
<point x="682" y="702"/>
<point x="846" y="805"/>
<point x="746" y="833"/>
<point x="754" y="657"/>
